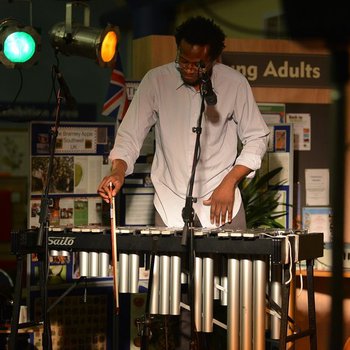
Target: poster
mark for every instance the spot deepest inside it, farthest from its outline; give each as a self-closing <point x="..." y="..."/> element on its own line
<point x="318" y="219"/>
<point x="302" y="130"/>
<point x="79" y="164"/>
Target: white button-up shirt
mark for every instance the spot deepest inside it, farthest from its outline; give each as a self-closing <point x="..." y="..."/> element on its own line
<point x="163" y="100"/>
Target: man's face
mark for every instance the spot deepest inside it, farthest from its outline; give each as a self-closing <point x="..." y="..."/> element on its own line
<point x="190" y="60"/>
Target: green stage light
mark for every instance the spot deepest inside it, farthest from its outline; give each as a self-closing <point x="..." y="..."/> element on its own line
<point x="19" y="44"/>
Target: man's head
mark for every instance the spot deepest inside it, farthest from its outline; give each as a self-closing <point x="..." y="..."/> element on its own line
<point x="203" y="32"/>
<point x="199" y="43"/>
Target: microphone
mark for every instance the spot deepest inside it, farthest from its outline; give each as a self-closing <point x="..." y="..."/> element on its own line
<point x="207" y="88"/>
<point x="70" y="100"/>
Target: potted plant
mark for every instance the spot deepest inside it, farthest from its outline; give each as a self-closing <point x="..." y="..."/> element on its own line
<point x="261" y="200"/>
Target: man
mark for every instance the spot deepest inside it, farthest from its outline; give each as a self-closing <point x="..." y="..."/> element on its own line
<point x="170" y="97"/>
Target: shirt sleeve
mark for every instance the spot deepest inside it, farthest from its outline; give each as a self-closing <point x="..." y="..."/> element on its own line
<point x="137" y="122"/>
<point x="252" y="129"/>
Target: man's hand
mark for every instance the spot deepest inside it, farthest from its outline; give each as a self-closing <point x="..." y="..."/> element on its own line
<point x="111" y="184"/>
<point x="221" y="203"/>
<point x="222" y="199"/>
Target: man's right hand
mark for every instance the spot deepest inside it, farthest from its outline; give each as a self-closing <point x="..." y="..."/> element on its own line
<point x="112" y="183"/>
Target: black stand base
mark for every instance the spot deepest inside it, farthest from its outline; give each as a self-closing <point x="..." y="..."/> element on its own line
<point x="311" y="331"/>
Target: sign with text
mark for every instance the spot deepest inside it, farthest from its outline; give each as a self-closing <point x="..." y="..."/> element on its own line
<point x="281" y="69"/>
<point x="76" y="139"/>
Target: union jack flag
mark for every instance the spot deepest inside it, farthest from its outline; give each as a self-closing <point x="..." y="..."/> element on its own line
<point x="117" y="101"/>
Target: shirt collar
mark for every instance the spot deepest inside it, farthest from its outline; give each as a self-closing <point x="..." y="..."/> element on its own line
<point x="180" y="82"/>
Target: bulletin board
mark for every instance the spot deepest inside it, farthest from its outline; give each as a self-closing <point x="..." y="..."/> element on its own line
<point x="80" y="163"/>
<point x="316" y="153"/>
<point x="320" y="153"/>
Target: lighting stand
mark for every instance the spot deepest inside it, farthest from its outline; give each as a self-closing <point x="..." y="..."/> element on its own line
<point x="188" y="234"/>
<point x="44" y="223"/>
<point x="42" y="244"/>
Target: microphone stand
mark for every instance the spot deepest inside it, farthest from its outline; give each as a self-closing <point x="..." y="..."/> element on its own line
<point x="42" y="244"/>
<point x="43" y="231"/>
<point x="188" y="234"/>
<point x="146" y="321"/>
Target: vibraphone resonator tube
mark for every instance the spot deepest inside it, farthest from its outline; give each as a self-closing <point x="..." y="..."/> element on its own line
<point x="92" y="264"/>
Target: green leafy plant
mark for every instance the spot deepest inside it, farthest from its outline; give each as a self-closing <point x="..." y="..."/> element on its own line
<point x="261" y="200"/>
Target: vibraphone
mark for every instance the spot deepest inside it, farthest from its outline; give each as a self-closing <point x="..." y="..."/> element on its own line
<point x="234" y="266"/>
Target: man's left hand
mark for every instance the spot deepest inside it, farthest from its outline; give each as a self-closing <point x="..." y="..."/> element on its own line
<point x="221" y="204"/>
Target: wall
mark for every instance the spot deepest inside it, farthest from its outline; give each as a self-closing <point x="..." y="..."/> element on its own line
<point x="238" y="18"/>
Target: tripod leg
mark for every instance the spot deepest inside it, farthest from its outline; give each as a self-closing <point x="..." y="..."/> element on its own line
<point x="146" y="320"/>
<point x="43" y="266"/>
<point x="16" y="304"/>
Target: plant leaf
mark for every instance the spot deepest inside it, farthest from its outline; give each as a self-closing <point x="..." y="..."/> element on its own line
<point x="261" y="200"/>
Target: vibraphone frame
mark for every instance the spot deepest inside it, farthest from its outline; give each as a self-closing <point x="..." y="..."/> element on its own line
<point x="307" y="246"/>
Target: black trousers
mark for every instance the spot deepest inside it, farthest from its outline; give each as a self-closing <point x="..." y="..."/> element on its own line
<point x="238" y="222"/>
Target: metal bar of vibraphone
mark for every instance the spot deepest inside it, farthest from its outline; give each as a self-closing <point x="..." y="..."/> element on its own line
<point x="217" y="275"/>
<point x="259" y="291"/>
<point x="276" y="296"/>
<point x="155" y="287"/>
<point x="184" y="278"/>
<point x="53" y="252"/>
<point x="198" y="274"/>
<point x="223" y="280"/>
<point x="233" y="304"/>
<point x="246" y="304"/>
<point x="216" y="295"/>
<point x="123" y="273"/>
<point x="164" y="285"/>
<point x="208" y="294"/>
<point x="134" y="265"/>
<point x="246" y="298"/>
<point x="223" y="293"/>
<point x="84" y="264"/>
<point x="175" y="285"/>
<point x="93" y="264"/>
<point x="103" y="264"/>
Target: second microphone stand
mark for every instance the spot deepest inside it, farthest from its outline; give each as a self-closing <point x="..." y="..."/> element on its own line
<point x="188" y="234"/>
<point x="44" y="224"/>
<point x="42" y="243"/>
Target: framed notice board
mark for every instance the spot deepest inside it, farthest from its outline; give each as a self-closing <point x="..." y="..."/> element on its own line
<point x="80" y="163"/>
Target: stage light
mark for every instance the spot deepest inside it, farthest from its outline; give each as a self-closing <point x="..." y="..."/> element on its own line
<point x="19" y="44"/>
<point x="82" y="40"/>
<point x="86" y="42"/>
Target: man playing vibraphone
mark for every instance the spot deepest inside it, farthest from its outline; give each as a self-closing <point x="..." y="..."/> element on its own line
<point x="169" y="98"/>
